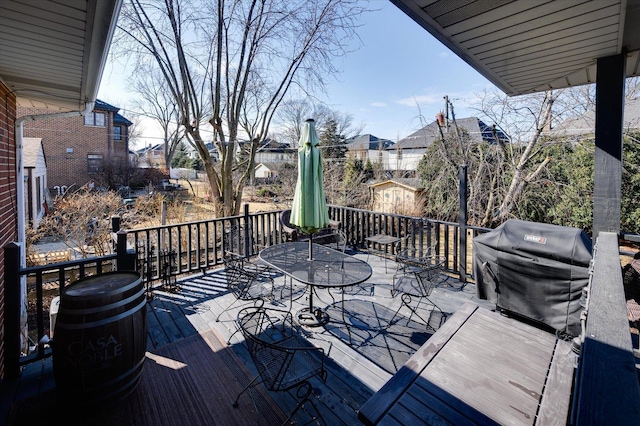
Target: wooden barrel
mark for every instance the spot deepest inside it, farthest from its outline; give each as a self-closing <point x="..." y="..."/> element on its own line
<point x="100" y="338"/>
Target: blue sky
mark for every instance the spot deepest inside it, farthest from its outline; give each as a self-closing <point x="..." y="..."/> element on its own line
<point x="398" y="66"/>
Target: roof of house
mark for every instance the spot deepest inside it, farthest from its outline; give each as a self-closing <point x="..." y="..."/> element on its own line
<point x="477" y="129"/>
<point x="105" y="106"/>
<point x="119" y="119"/>
<point x="271" y="145"/>
<point x="585" y="124"/>
<point x="31" y="148"/>
<point x="411" y="183"/>
<point x="367" y="142"/>
<point x="269" y="165"/>
<point x="148" y="148"/>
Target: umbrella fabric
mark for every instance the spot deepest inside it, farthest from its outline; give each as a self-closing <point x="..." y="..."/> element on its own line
<point x="309" y="209"/>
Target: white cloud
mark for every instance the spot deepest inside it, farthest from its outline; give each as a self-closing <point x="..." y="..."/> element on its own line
<point x="379" y="104"/>
<point x="420" y="99"/>
<point x="459" y="99"/>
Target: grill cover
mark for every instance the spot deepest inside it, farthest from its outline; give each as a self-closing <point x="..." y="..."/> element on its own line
<point x="535" y="270"/>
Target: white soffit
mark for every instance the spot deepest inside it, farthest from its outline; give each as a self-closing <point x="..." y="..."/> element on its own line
<point x="525" y="46"/>
<point x="52" y="53"/>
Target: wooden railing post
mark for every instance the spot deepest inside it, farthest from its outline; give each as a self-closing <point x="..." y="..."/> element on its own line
<point x="11" y="311"/>
<point x="248" y="251"/>
<point x="462" y="219"/>
<point x="115" y="223"/>
<point x="125" y="261"/>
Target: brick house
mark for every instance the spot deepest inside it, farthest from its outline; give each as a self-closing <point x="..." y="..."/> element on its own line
<point x="78" y="149"/>
<point x="79" y="32"/>
<point x="152" y="157"/>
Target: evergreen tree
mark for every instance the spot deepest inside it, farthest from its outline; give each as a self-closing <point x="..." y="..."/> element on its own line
<point x="181" y="158"/>
<point x="334" y="144"/>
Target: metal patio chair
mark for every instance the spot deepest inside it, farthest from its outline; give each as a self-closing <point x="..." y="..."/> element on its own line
<point x="235" y="241"/>
<point x="411" y="258"/>
<point x="284" y="359"/>
<point x="418" y="284"/>
<point x="330" y="236"/>
<point x="245" y="284"/>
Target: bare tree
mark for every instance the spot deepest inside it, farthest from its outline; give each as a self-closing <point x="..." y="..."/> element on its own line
<point x="291" y="117"/>
<point x="81" y="219"/>
<point x="292" y="114"/>
<point x="156" y="102"/>
<point x="237" y="59"/>
<point x="524" y="118"/>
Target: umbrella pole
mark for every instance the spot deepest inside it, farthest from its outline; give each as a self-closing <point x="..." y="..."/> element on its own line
<point x="310" y="246"/>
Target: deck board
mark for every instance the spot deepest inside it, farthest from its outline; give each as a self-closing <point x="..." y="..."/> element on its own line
<point x="354" y="375"/>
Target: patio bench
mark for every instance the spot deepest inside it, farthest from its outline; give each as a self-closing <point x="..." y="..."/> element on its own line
<point x="40" y="259"/>
<point x="505" y="372"/>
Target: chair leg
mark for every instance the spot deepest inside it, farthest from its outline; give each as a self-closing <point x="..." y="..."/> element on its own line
<point x="232" y="334"/>
<point x="226" y="309"/>
<point x="302" y="393"/>
<point x="415" y="311"/>
<point x="344" y="321"/>
<point x="251" y="383"/>
<point x="398" y="310"/>
<point x="406" y="301"/>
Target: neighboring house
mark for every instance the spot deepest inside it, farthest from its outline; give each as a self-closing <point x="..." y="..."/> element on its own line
<point x="370" y="147"/>
<point x="266" y="171"/>
<point x="152" y="157"/>
<point x="35" y="170"/>
<point x="271" y="151"/>
<point x="78" y="149"/>
<point x="213" y="151"/>
<point x="57" y="69"/>
<point x="586" y="123"/>
<point x="397" y="196"/>
<point x="407" y="153"/>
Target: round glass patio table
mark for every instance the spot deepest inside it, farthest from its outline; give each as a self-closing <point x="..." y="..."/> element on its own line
<point x="327" y="268"/>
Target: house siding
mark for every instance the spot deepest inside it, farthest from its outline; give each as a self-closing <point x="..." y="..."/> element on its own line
<point x="68" y="141"/>
<point x="391" y="197"/>
<point x="8" y="225"/>
<point x="35" y="169"/>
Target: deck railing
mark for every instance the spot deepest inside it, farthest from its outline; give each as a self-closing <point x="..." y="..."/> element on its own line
<point x="172" y="250"/>
<point x="38" y="280"/>
<point x="162" y="253"/>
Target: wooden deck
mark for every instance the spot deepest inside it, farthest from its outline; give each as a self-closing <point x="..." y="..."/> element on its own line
<point x="479" y="368"/>
<point x="355" y="372"/>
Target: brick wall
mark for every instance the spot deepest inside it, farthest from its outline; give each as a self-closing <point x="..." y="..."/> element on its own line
<point x="8" y="225"/>
<point x="68" y="141"/>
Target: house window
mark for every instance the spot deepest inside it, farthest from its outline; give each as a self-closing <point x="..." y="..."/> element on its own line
<point x="38" y="195"/>
<point x="94" y="119"/>
<point x="94" y="163"/>
<point x="117" y="133"/>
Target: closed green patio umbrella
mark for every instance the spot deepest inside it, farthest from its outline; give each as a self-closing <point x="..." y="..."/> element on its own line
<point x="309" y="209"/>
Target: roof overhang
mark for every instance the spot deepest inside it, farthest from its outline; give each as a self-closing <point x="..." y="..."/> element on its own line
<point x="525" y="46"/>
<point x="52" y="54"/>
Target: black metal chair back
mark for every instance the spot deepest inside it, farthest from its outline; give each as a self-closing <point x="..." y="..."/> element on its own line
<point x="284" y="359"/>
